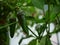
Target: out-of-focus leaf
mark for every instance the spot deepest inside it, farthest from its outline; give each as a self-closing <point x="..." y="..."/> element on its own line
<point x="56" y="9"/>
<point x="57" y="2"/>
<point x="53" y="2"/>
<point x="29" y="10"/>
<point x="4" y="9"/>
<point x="29" y="4"/>
<point x="33" y="42"/>
<point x="45" y="41"/>
<point x="48" y="42"/>
<point x="12" y="3"/>
<point x="59" y="15"/>
<point x="35" y="20"/>
<point x="30" y="18"/>
<point x="52" y="17"/>
<point x="28" y="1"/>
<point x="38" y="3"/>
<point x="54" y="12"/>
<point x="40" y="20"/>
<point x="46" y="17"/>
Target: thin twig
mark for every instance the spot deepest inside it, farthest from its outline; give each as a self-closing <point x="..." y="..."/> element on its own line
<point x="7" y="25"/>
<point x="32" y="32"/>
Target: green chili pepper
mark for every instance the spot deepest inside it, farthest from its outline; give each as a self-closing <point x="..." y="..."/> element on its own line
<point x="22" y="22"/>
<point x="12" y="27"/>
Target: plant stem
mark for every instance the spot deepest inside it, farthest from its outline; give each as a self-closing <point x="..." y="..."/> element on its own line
<point x="48" y="22"/>
<point x="58" y="21"/>
<point x="57" y="38"/>
<point x="7" y="25"/>
<point x="32" y="32"/>
<point x="49" y="16"/>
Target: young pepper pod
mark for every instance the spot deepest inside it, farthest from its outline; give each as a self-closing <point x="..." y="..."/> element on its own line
<point x="12" y="27"/>
<point x="22" y="22"/>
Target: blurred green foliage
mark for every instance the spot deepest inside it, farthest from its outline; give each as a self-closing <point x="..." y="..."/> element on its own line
<point x="26" y="13"/>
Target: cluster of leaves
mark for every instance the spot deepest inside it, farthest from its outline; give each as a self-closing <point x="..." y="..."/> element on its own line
<point x="11" y="10"/>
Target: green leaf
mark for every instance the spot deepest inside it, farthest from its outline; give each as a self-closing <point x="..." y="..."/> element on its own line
<point x="48" y="42"/>
<point x="52" y="17"/>
<point x="45" y="41"/>
<point x="56" y="9"/>
<point x="58" y="2"/>
<point x="33" y="42"/>
<point x="29" y="3"/>
<point x="29" y="18"/>
<point x="40" y="20"/>
<point x="35" y="20"/>
<point x="38" y="3"/>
